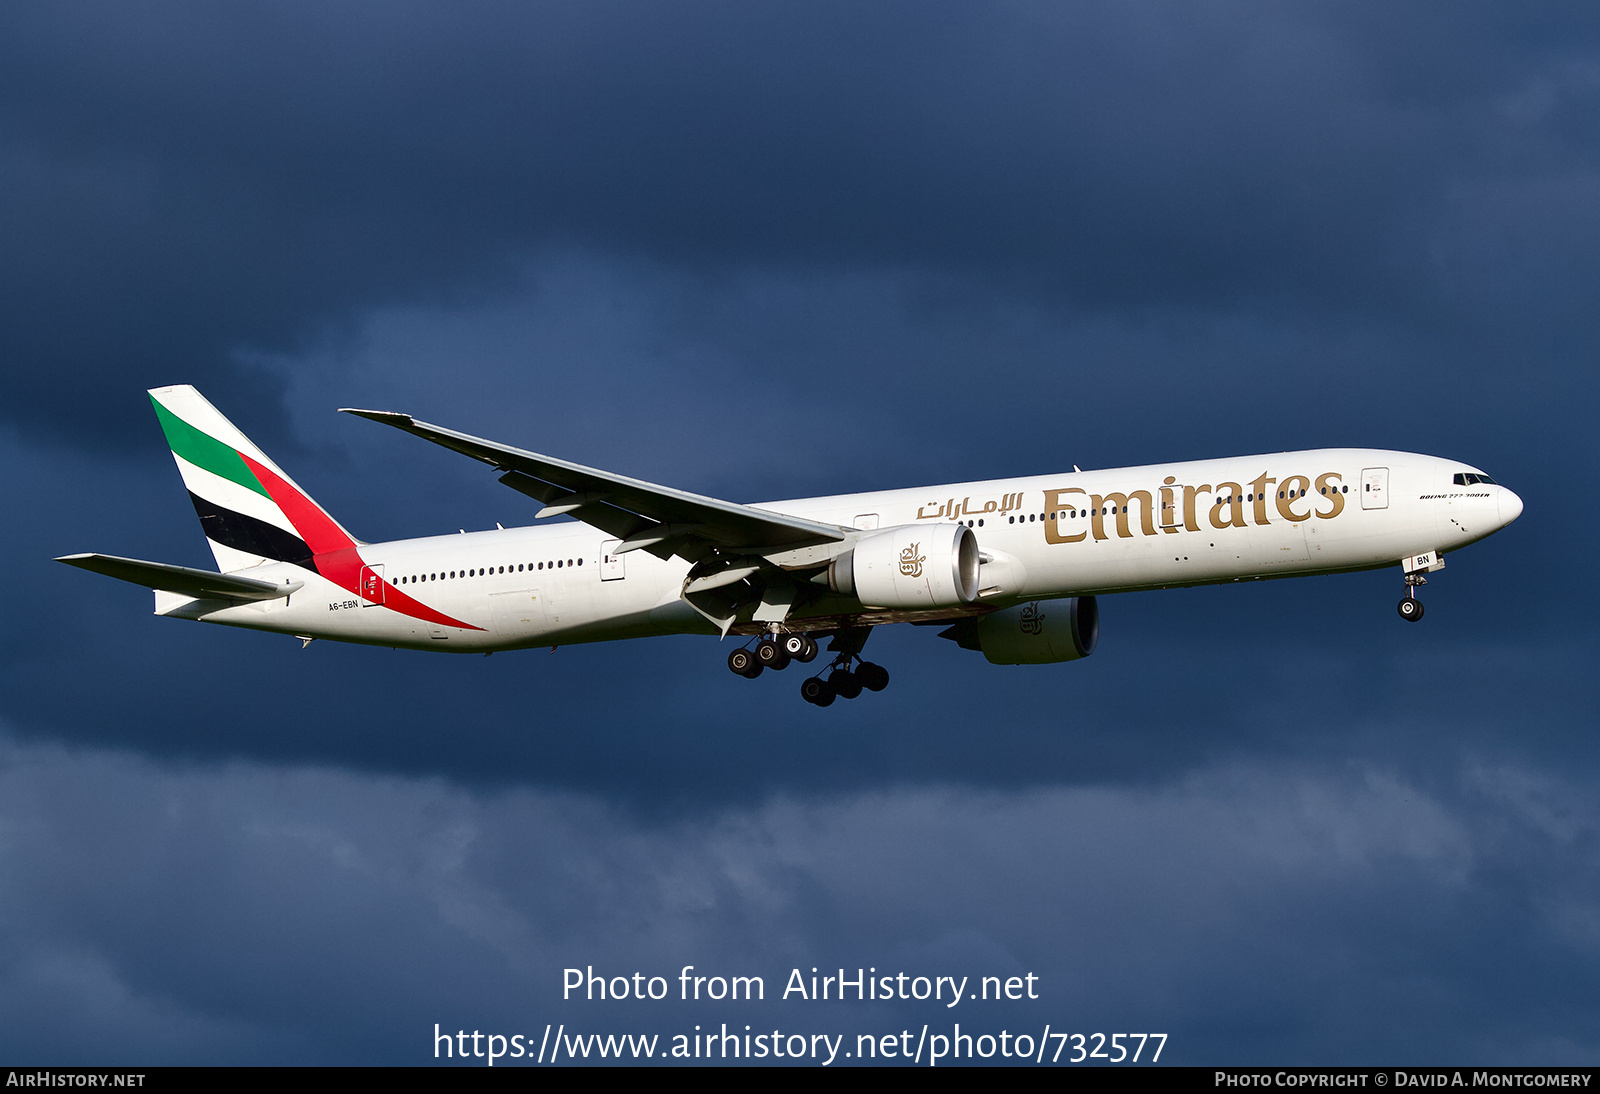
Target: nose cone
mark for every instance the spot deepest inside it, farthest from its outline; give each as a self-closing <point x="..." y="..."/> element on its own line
<point x="1510" y="507"/>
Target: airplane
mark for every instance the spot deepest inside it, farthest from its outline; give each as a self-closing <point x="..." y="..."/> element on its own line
<point x="1011" y="567"/>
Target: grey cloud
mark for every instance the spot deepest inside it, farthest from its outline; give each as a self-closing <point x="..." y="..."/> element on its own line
<point x="153" y="906"/>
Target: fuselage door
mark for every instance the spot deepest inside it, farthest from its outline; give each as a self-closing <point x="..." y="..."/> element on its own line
<point x="865" y="521"/>
<point x="1169" y="498"/>
<point x="517" y="615"/>
<point x="611" y="566"/>
<point x="1374" y="488"/>
<point x="372" y="586"/>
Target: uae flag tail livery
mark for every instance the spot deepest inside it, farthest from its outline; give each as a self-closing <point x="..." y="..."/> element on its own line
<point x="263" y="530"/>
<point x="250" y="510"/>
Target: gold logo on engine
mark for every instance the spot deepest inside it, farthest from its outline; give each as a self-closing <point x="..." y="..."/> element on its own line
<point x="911" y="562"/>
<point x="1032" y="619"/>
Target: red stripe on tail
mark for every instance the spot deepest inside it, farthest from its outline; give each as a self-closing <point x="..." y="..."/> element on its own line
<point x="335" y="553"/>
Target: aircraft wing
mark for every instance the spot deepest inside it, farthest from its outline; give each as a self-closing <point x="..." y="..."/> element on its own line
<point x="201" y="584"/>
<point x="642" y="515"/>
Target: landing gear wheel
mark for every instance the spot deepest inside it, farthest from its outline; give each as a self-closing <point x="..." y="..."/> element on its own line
<point x="743" y="663"/>
<point x="1410" y="609"/>
<point x="816" y="691"/>
<point x="844" y="683"/>
<point x="799" y="647"/>
<point x="771" y="655"/>
<point x="872" y="677"/>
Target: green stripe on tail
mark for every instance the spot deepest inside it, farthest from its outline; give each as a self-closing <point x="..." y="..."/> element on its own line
<point x="205" y="451"/>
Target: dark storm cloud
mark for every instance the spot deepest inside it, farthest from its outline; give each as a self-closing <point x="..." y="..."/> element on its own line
<point x="266" y="914"/>
<point x="184" y="182"/>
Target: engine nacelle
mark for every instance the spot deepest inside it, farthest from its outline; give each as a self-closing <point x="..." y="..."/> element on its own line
<point x="910" y="566"/>
<point x="1038" y="633"/>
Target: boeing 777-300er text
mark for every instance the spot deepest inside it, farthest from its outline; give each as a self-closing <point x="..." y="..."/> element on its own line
<point x="1009" y="567"/>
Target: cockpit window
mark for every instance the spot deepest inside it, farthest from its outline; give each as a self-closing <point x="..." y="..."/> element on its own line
<point x="1470" y="478"/>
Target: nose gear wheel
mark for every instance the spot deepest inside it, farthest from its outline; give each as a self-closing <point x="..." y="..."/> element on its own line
<point x="1410" y="608"/>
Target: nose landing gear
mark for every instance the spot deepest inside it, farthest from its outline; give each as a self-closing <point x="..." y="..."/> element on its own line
<point x="1410" y="607"/>
<point x="1416" y="567"/>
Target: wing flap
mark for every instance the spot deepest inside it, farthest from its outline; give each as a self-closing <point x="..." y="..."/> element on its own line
<point x="201" y="584"/>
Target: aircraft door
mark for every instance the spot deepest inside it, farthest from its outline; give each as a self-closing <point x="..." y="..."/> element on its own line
<point x="372" y="586"/>
<point x="611" y="566"/>
<point x="517" y="615"/>
<point x="1170" y="498"/>
<point x="1375" y="488"/>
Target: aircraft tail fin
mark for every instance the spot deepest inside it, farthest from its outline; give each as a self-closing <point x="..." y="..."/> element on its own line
<point x="250" y="510"/>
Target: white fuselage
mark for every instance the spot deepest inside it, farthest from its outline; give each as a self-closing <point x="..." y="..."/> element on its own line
<point x="1043" y="537"/>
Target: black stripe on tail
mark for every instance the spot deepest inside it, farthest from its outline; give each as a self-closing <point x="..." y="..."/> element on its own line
<point x="250" y="535"/>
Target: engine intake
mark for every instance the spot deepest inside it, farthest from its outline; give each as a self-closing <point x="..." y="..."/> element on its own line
<point x="910" y="566"/>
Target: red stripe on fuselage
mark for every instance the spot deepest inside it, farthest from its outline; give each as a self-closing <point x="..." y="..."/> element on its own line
<point x="335" y="553"/>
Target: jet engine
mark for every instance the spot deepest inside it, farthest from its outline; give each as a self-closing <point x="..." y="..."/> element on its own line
<point x="1037" y="633"/>
<point x="911" y="566"/>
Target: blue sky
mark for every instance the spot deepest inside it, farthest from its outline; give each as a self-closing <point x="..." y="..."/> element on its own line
<point x="765" y="252"/>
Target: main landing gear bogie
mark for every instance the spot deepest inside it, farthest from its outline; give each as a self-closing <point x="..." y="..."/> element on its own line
<point x="801" y="647"/>
<point x="816" y="691"/>
<point x="837" y="681"/>
<point x="772" y="653"/>
<point x="843" y="683"/>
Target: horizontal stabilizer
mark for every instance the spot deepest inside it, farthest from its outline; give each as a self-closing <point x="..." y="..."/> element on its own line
<point x="201" y="584"/>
